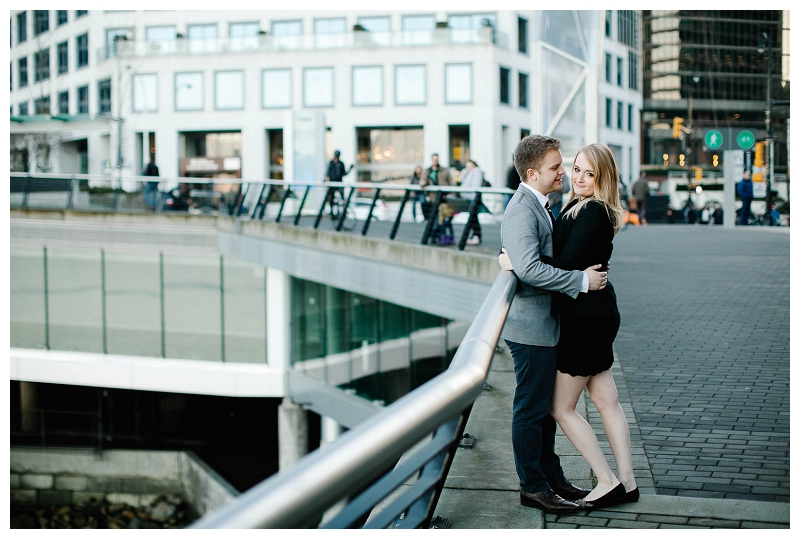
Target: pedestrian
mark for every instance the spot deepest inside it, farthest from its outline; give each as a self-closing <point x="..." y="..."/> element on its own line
<point x="472" y="178"/>
<point x="745" y="192"/>
<point x="417" y="197"/>
<point x="336" y="173"/>
<point x="512" y="182"/>
<point x="531" y="331"/>
<point x="150" y="188"/>
<point x="640" y="192"/>
<point x="589" y="325"/>
<point x="434" y="175"/>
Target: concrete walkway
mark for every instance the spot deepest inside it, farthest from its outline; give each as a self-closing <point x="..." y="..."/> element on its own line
<point x="704" y="317"/>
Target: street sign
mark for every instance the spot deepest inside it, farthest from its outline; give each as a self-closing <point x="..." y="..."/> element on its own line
<point x="745" y="139"/>
<point x="713" y="139"/>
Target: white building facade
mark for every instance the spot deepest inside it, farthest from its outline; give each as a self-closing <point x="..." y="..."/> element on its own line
<point x="214" y="93"/>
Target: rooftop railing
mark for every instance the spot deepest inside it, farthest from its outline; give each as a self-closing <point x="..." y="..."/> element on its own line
<point x="372" y="467"/>
<point x="304" y="42"/>
<point x="357" y="206"/>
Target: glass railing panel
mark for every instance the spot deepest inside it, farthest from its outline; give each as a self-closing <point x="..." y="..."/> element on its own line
<point x="133" y="303"/>
<point x="245" y="308"/>
<point x="93" y="195"/>
<point x="26" y="298"/>
<point x="75" y="299"/>
<point x="192" y="306"/>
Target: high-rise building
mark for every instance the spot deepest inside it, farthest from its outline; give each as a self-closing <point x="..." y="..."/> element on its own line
<point x="710" y="73"/>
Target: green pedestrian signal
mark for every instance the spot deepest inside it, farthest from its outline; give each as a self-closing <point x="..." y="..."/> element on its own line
<point x="713" y="139"/>
<point x="745" y="139"/>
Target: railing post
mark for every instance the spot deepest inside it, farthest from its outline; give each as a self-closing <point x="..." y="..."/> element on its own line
<point x="237" y="211"/>
<point x="369" y="215"/>
<point x="286" y="194"/>
<point x="103" y="298"/>
<point x="258" y="201"/>
<point x="434" y="216"/>
<point x="26" y="191"/>
<point x="46" y="303"/>
<point x="266" y="201"/>
<point x="343" y="211"/>
<point x="473" y="214"/>
<point x="321" y="207"/>
<point x="300" y="208"/>
<point x="72" y="188"/>
<point x="396" y="225"/>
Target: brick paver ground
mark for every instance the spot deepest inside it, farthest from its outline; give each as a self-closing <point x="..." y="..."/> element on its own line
<point x="704" y="347"/>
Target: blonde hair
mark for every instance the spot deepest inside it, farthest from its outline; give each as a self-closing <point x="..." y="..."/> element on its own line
<point x="606" y="183"/>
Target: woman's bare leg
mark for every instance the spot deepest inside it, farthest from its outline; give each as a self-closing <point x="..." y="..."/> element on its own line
<point x="566" y="391"/>
<point x="603" y="392"/>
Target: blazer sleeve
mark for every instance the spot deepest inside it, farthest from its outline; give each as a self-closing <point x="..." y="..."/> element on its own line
<point x="590" y="224"/>
<point x="521" y="241"/>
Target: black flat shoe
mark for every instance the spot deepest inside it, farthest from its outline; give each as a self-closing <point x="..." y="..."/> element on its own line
<point x="612" y="497"/>
<point x="632" y="496"/>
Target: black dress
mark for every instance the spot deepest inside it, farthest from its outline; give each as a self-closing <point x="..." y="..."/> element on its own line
<point x="590" y="322"/>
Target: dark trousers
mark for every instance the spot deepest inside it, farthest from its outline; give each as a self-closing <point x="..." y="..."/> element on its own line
<point x="744" y="213"/>
<point x="533" y="429"/>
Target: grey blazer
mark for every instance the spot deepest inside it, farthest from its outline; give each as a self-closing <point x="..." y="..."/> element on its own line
<point x="525" y="232"/>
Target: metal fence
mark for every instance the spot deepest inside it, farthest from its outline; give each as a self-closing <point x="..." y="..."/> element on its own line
<point x="370" y="466"/>
<point x="356" y="206"/>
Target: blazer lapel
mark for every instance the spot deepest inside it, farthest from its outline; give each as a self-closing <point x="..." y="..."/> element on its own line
<point x="538" y="208"/>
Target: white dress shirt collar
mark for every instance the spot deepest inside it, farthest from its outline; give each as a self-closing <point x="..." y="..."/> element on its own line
<point x="539" y="196"/>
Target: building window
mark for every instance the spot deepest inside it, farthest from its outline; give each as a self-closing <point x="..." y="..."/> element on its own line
<point x="23" y="109"/>
<point x="609" y="15"/>
<point x="523" y="90"/>
<point x="609" y="105"/>
<point x="62" y="51"/>
<point x="505" y="84"/>
<point x="410" y="85"/>
<point x="276" y="88"/>
<point x="457" y="83"/>
<point x="619" y="71"/>
<point x="188" y="91"/>
<point x="82" y="46"/>
<point x="287" y="34"/>
<point x="522" y="35"/>
<point x="41" y="105"/>
<point x="104" y="97"/>
<point x="329" y="33"/>
<point x="202" y="38"/>
<point x="628" y="28"/>
<point x="22" y="27"/>
<point x="608" y="68"/>
<point x="379" y="29"/>
<point x="145" y="93"/>
<point x="113" y="36"/>
<point x="388" y="152"/>
<point x="418" y="29"/>
<point x="368" y="86"/>
<point x="229" y="90"/>
<point x="633" y="70"/>
<point x="243" y="36"/>
<point x="41" y="64"/>
<point x="22" y="66"/>
<point x="41" y="21"/>
<point x="630" y="118"/>
<point x="81" y="12"/>
<point x="318" y="87"/>
<point x="63" y="102"/>
<point x="83" y="100"/>
<point x="161" y="39"/>
<point x="464" y="28"/>
<point x="619" y="115"/>
<point x="61" y="17"/>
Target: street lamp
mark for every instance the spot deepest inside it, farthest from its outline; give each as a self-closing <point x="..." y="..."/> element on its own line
<point x="765" y="45"/>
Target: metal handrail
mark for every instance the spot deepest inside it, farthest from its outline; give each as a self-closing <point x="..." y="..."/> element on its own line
<point x="297" y="496"/>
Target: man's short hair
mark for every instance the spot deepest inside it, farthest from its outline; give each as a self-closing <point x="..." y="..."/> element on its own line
<point x="530" y="153"/>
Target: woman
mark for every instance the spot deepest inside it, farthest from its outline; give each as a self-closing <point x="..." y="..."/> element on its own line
<point x="582" y="236"/>
<point x="417" y="197"/>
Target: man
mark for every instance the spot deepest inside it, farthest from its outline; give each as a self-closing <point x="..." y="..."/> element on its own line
<point x="434" y="175"/>
<point x="640" y="193"/>
<point x="745" y="191"/>
<point x="531" y="332"/>
<point x="336" y="173"/>
<point x="150" y="189"/>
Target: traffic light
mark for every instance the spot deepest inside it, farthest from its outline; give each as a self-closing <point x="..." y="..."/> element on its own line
<point x="677" y="127"/>
<point x="758" y="160"/>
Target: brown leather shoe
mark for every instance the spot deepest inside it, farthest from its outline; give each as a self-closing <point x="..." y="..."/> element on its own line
<point x="568" y="491"/>
<point x="548" y="501"/>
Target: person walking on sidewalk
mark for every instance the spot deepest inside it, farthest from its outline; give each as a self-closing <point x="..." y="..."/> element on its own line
<point x="417" y="197"/>
<point x="531" y="331"/>
<point x="589" y="324"/>
<point x="745" y="192"/>
<point x="640" y="192"/>
<point x="472" y="179"/>
<point x="336" y="173"/>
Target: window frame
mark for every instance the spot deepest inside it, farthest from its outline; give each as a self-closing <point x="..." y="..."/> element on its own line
<point x="522" y="35"/>
<point x="101" y="101"/>
<point x="59" y="14"/>
<point x="60" y="101"/>
<point x="41" y="20"/>
<point x="425" y="85"/>
<point x="264" y="88"/>
<point x="609" y="112"/>
<point x="81" y="102"/>
<point x="620" y="114"/>
<point x="630" y="118"/>
<point x="287" y="41"/>
<point x="22" y="81"/>
<point x="381" y="91"/>
<point x="81" y="53"/>
<point x="507" y="72"/>
<point x="62" y="68"/>
<point x="22" y="27"/>
<point x="219" y="72"/>
<point x="41" y="70"/>
<point x="447" y="86"/>
<point x="321" y="37"/>
<point x="42" y="104"/>
<point x="306" y="70"/>
<point x="526" y="93"/>
<point x="244" y="42"/>
<point x="620" y="71"/>
<point x="26" y="111"/>
<point x="176" y="87"/>
<point x="134" y="78"/>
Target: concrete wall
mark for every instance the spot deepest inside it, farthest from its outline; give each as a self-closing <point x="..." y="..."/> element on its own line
<point x="65" y="476"/>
